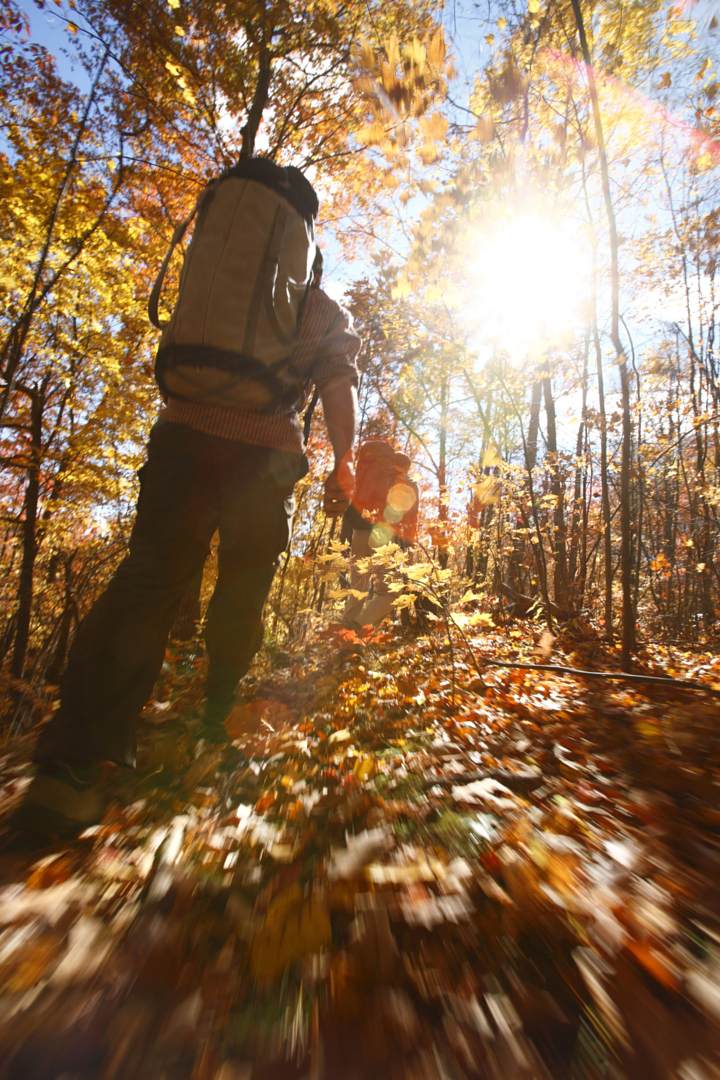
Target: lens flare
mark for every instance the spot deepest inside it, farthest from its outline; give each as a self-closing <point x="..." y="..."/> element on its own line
<point x="529" y="281"/>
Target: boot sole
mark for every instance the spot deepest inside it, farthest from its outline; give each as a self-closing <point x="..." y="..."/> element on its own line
<point x="43" y="823"/>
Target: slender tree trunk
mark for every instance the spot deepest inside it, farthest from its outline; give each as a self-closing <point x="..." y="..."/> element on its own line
<point x="442" y="471"/>
<point x="519" y="550"/>
<point x="277" y="605"/>
<point x="586" y="497"/>
<point x="479" y="557"/>
<point x="442" y="456"/>
<point x="640" y="502"/>
<point x="578" y="514"/>
<point x="68" y="617"/>
<point x="534" y="425"/>
<point x="8" y="636"/>
<point x="672" y="501"/>
<point x="558" y="491"/>
<point x="29" y="538"/>
<point x="700" y="523"/>
<point x="533" y="515"/>
<point x="708" y="608"/>
<point x="321" y="594"/>
<point x="605" y="490"/>
<point x="530" y="463"/>
<point x="628" y="609"/>
<point x="280" y="590"/>
<point x="259" y="101"/>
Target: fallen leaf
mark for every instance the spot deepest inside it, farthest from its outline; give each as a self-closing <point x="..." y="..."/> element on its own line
<point x="340" y="736"/>
<point x="294" y="927"/>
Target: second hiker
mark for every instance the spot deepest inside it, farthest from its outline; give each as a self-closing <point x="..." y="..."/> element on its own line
<point x="384" y="509"/>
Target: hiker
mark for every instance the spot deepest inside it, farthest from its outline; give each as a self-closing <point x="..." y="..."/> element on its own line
<point x="384" y="509"/>
<point x="251" y="331"/>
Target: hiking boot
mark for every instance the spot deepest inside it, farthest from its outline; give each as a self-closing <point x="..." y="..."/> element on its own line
<point x="212" y="723"/>
<point x="62" y="799"/>
<point x="213" y="732"/>
<point x="232" y="760"/>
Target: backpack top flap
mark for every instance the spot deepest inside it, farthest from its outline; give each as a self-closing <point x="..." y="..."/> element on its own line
<point x="289" y="182"/>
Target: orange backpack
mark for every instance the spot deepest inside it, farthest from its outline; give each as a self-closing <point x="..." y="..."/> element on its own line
<point x="374" y="475"/>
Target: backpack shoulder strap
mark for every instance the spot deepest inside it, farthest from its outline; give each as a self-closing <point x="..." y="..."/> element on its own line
<point x="177" y="236"/>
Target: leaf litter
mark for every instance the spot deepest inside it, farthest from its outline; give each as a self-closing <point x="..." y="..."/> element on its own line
<point x="397" y="869"/>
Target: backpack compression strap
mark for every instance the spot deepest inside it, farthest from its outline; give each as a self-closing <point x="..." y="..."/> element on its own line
<point x="177" y="236"/>
<point x="154" y="300"/>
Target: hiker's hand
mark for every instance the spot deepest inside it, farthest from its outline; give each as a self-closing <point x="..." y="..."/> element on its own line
<point x="339" y="489"/>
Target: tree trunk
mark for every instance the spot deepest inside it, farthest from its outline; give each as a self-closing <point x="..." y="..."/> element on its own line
<point x="604" y="489"/>
<point x="259" y="101"/>
<point x="476" y="562"/>
<point x="524" y="516"/>
<point x="558" y="491"/>
<point x="321" y="594"/>
<point x="68" y="617"/>
<point x="576" y="580"/>
<point x="29" y="540"/>
<point x="442" y="472"/>
<point x="534" y="426"/>
<point x="628" y="608"/>
<point x="700" y="533"/>
<point x="640" y="502"/>
<point x="519" y="551"/>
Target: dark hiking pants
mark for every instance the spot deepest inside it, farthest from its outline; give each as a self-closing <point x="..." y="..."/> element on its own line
<point x="192" y="484"/>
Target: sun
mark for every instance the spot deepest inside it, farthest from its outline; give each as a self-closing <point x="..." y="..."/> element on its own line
<point x="528" y="280"/>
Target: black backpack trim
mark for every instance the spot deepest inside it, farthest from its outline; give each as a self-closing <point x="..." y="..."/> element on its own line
<point x="239" y="365"/>
<point x="278" y="178"/>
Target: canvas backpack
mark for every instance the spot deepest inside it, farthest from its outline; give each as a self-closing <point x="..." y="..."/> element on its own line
<point x="374" y="475"/>
<point x="245" y="277"/>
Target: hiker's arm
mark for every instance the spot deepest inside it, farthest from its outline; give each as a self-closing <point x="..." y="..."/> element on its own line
<point x="340" y="407"/>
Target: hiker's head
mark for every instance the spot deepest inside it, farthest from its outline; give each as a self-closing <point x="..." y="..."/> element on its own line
<point x="401" y="462"/>
<point x="317" y="268"/>
<point x="303" y="189"/>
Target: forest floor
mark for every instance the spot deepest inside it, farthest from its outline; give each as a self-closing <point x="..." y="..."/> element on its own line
<point x="401" y="868"/>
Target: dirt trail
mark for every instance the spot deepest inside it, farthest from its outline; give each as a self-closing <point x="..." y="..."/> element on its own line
<point x="399" y="869"/>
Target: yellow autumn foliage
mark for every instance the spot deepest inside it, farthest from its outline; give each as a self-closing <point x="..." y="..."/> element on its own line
<point x="295" y="927"/>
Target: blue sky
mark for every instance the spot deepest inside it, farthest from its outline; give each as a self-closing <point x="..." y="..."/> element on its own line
<point x="49" y="30"/>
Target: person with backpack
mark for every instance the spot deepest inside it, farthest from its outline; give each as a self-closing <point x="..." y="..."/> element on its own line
<point x="384" y="509"/>
<point x="250" y="333"/>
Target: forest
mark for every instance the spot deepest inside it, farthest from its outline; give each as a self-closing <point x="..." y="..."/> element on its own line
<point x="483" y="839"/>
